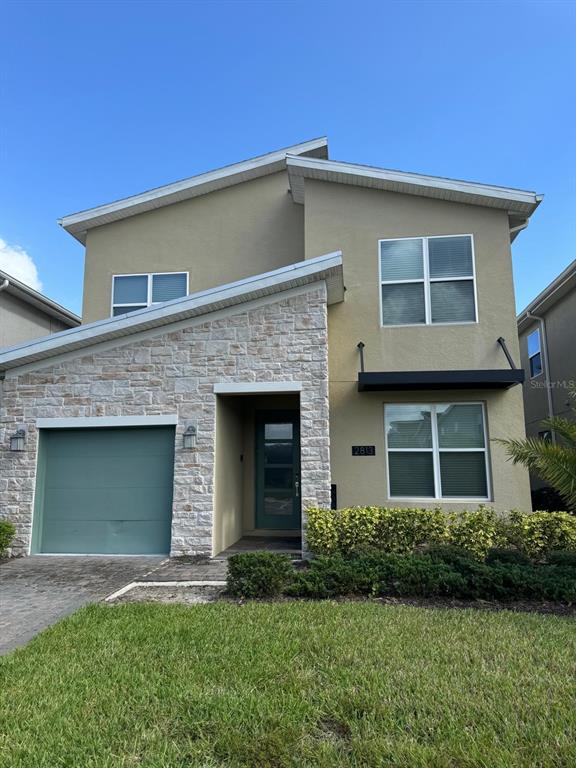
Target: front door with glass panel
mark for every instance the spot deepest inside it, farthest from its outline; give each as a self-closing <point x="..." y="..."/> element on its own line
<point x="278" y="470"/>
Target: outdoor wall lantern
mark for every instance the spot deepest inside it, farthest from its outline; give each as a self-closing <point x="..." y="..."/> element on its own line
<point x="18" y="440"/>
<point x="189" y="438"/>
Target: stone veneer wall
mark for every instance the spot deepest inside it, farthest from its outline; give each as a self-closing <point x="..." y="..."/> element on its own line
<point x="175" y="372"/>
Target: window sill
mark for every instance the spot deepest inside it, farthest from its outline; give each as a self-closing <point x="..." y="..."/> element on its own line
<point x="430" y="325"/>
<point x="444" y="500"/>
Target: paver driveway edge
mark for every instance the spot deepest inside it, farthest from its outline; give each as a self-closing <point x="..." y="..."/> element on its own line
<point x="38" y="591"/>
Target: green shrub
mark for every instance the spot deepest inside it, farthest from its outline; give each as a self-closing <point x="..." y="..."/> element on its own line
<point x="476" y="531"/>
<point x="507" y="555"/>
<point x="449" y="554"/>
<point x="379" y="573"/>
<point x="539" y="533"/>
<point x="258" y="574"/>
<point x="7" y="533"/>
<point x="563" y="558"/>
<point x="394" y="530"/>
<point x="409" y="530"/>
<point x="375" y="573"/>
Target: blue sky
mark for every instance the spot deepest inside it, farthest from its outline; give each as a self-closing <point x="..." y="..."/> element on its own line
<point x="100" y="100"/>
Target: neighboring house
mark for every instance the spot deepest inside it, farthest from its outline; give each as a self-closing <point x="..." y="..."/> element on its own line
<point x="26" y="314"/>
<point x="285" y="332"/>
<point x="547" y="333"/>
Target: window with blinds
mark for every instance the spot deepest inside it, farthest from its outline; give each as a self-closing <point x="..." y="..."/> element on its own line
<point x="132" y="292"/>
<point x="437" y="451"/>
<point x="534" y="354"/>
<point x="427" y="280"/>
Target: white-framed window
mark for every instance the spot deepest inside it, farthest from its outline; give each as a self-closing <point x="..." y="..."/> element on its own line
<point x="427" y="280"/>
<point x="437" y="451"/>
<point x="132" y="292"/>
<point x="534" y="354"/>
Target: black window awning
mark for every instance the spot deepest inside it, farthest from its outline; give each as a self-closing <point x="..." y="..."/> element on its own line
<point x="375" y="381"/>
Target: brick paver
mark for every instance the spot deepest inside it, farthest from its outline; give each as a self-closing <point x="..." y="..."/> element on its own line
<point x="35" y="592"/>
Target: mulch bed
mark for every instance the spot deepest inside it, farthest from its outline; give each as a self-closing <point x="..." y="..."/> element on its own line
<point x="195" y="595"/>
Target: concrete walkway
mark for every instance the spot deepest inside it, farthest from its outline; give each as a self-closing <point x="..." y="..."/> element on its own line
<point x="37" y="591"/>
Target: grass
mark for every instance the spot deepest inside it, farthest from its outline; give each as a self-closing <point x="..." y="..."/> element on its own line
<point x="291" y="684"/>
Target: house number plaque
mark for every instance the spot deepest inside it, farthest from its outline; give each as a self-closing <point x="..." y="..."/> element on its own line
<point x="363" y="450"/>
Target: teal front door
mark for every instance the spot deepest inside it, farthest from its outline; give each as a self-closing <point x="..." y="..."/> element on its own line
<point x="104" y="491"/>
<point x="278" y="504"/>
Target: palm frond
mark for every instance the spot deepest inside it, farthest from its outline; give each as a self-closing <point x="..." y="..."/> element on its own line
<point x="563" y="427"/>
<point x="556" y="464"/>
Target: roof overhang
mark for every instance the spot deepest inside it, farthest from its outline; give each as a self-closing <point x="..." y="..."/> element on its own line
<point x="77" y="224"/>
<point x="431" y="380"/>
<point x="327" y="268"/>
<point x="565" y="283"/>
<point x="519" y="204"/>
<point x="37" y="300"/>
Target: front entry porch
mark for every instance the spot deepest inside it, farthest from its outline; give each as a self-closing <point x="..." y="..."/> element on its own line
<point x="257" y="495"/>
<point x="288" y="545"/>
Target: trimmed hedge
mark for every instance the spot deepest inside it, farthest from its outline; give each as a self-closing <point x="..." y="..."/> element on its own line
<point x="442" y="571"/>
<point x="258" y="574"/>
<point x="381" y="574"/>
<point x="7" y="533"/>
<point x="406" y="530"/>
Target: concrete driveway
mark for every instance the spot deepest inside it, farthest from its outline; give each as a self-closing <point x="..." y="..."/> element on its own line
<point x="37" y="591"/>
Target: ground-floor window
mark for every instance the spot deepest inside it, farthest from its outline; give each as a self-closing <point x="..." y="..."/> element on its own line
<point x="437" y="451"/>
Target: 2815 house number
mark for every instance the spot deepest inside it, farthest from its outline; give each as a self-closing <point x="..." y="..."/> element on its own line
<point x="363" y="450"/>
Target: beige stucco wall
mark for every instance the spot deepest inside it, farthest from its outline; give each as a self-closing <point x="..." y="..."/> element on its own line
<point x="228" y="474"/>
<point x="560" y="322"/>
<point x="358" y="419"/>
<point x="19" y="321"/>
<point x="218" y="238"/>
<point x="353" y="220"/>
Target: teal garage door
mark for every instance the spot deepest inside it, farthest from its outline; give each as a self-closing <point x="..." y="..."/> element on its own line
<point x="104" y="491"/>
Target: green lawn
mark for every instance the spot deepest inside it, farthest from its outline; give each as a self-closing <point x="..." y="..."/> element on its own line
<point x="292" y="684"/>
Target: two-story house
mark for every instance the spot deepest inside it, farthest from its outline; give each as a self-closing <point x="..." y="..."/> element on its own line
<point x="285" y="332"/>
<point x="547" y="334"/>
<point x="27" y="314"/>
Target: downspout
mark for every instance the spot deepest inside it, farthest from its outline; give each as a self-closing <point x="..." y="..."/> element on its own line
<point x="544" y="338"/>
<point x="5" y="284"/>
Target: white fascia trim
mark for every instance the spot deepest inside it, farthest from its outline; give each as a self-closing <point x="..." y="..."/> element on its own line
<point x="401" y="177"/>
<point x="253" y="387"/>
<point x="82" y="422"/>
<point x="34" y="298"/>
<point x="194" y="305"/>
<point x="150" y="333"/>
<point x="81" y="220"/>
<point x="563" y="279"/>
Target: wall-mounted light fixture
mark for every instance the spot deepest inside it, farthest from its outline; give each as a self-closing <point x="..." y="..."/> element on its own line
<point x="189" y="437"/>
<point x="18" y="440"/>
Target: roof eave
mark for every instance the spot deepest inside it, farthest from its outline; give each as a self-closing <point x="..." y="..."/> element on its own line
<point x="515" y="201"/>
<point x="77" y="224"/>
<point x="327" y="268"/>
<point x="557" y="289"/>
<point x="39" y="301"/>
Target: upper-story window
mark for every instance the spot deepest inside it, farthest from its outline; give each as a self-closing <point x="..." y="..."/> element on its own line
<point x="427" y="280"/>
<point x="534" y="354"/>
<point x="132" y="292"/>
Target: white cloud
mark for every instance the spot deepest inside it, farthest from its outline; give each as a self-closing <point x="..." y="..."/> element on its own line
<point x="19" y="264"/>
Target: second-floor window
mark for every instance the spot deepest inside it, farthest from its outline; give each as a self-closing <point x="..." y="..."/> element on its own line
<point x="534" y="354"/>
<point x="427" y="280"/>
<point x="132" y="292"/>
